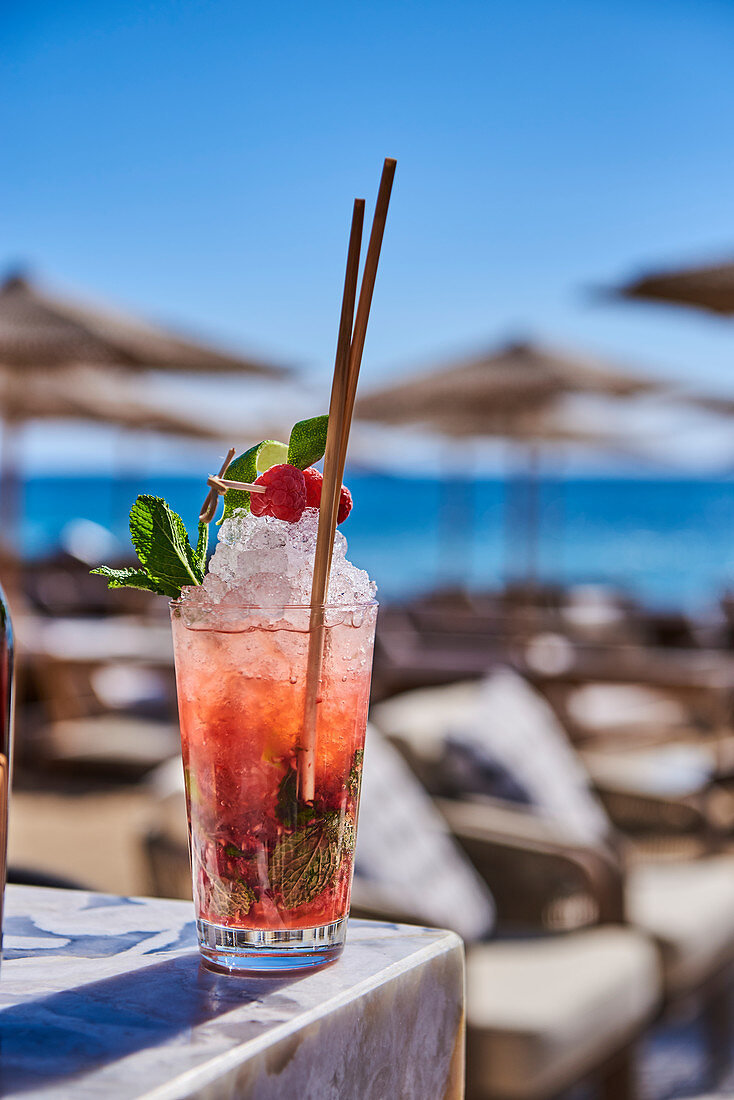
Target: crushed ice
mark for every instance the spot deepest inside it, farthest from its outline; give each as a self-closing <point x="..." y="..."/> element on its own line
<point x="266" y="562"/>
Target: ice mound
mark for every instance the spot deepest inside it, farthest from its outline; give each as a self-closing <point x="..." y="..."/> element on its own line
<point x="267" y="562"/>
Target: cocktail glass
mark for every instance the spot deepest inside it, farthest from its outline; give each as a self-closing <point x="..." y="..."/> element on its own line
<point x="272" y="873"/>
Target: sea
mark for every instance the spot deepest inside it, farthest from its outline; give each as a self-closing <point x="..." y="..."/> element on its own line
<point x="669" y="543"/>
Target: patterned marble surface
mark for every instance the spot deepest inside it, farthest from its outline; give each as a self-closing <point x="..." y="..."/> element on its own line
<point x="105" y="996"/>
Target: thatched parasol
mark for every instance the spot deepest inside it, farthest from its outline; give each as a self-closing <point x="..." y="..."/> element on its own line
<point x="517" y="393"/>
<point x="68" y="360"/>
<point x="498" y="389"/>
<point x="86" y="394"/>
<point x="40" y="331"/>
<point x="76" y="394"/>
<point x="709" y="287"/>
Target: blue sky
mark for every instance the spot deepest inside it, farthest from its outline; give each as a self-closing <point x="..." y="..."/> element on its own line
<point x="196" y="160"/>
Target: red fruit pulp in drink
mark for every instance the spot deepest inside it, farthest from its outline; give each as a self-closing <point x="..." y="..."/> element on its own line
<point x="261" y="858"/>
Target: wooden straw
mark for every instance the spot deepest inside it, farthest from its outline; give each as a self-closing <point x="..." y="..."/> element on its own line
<point x="209" y="507"/>
<point x="357" y="344"/>
<point x="324" y="537"/>
<point x="344" y="389"/>
<point x="365" y="298"/>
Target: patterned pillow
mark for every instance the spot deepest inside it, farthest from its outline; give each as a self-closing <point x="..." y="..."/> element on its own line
<point x="516" y="745"/>
<point x="514" y="728"/>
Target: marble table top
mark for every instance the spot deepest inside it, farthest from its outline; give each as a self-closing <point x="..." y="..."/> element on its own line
<point x="104" y="996"/>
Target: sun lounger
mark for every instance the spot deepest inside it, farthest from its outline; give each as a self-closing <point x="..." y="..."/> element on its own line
<point x="686" y="907"/>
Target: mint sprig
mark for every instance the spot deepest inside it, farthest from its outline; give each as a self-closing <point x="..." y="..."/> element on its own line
<point x="229" y="898"/>
<point x="305" y="863"/>
<point x="135" y="578"/>
<point x="354" y="778"/>
<point x="290" y="810"/>
<point x="167" y="559"/>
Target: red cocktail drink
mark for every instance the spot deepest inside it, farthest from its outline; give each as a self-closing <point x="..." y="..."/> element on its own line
<point x="273" y="641"/>
<point x="271" y="872"/>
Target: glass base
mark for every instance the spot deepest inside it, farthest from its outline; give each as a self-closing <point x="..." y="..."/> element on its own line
<point x="268" y="952"/>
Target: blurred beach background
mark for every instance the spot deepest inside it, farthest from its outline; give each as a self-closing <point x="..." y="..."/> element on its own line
<point x="542" y="460"/>
<point x="668" y="542"/>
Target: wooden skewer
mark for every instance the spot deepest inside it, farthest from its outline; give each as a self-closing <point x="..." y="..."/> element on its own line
<point x="343" y="393"/>
<point x="209" y="507"/>
<point x="325" y="534"/>
<point x="221" y="484"/>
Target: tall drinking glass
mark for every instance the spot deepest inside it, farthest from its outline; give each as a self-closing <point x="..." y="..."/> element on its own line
<point x="272" y="873"/>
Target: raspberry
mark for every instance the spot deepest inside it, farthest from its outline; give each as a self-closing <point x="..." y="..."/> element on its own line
<point x="285" y="495"/>
<point x="345" y="505"/>
<point x="314" y="482"/>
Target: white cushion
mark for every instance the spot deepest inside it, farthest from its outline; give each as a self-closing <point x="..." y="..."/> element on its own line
<point x="406" y="856"/>
<point x="689" y="908"/>
<point x="610" y="706"/>
<point x="543" y="1012"/>
<point x="505" y="717"/>
<point x="671" y="771"/>
<point x="112" y="739"/>
<point x="421" y="719"/>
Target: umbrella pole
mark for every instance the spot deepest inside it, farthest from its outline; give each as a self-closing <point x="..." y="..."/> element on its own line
<point x="472" y="511"/>
<point x="532" y="529"/>
<point x="510" y="509"/>
<point x="456" y="521"/>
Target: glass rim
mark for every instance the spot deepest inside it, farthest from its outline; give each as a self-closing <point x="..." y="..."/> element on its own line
<point x="350" y="605"/>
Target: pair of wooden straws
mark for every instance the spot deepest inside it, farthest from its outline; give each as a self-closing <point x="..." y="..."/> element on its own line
<point x="349" y="349"/>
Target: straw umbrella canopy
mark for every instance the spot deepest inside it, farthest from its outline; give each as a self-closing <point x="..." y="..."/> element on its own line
<point x="498" y="389"/>
<point x="41" y="331"/>
<point x="516" y="393"/>
<point x="709" y="287"/>
<point x="79" y="394"/>
<point x="85" y="394"/>
<point x="65" y="359"/>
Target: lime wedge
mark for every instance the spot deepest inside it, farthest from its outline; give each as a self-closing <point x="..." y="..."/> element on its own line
<point x="269" y="453"/>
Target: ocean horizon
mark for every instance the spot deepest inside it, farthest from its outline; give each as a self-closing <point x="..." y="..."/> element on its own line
<point x="669" y="542"/>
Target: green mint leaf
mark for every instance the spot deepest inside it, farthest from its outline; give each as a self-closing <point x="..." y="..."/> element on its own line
<point x="233" y="851"/>
<point x="286" y="806"/>
<point x="248" y="467"/>
<point x="349" y="835"/>
<point x="202" y="545"/>
<point x="228" y="898"/>
<point x="308" y="442"/>
<point x="306" y="863"/>
<point x="162" y="544"/>
<point x="289" y="810"/>
<point x="355" y="773"/>
<point x="136" y="578"/>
